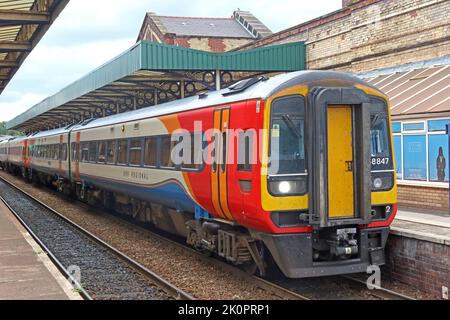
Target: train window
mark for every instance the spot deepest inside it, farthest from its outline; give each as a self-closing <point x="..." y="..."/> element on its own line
<point x="111" y="151"/>
<point x="150" y="151"/>
<point x="196" y="158"/>
<point x="93" y="151"/>
<point x="57" y="152"/>
<point x="135" y="152"/>
<point x="166" y="152"/>
<point x="224" y="151"/>
<point x="84" y="151"/>
<point x="75" y="151"/>
<point x="102" y="151"/>
<point x="122" y="152"/>
<point x="288" y="135"/>
<point x="245" y="151"/>
<point x="379" y="136"/>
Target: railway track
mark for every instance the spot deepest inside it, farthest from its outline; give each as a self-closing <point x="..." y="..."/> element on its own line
<point x="381" y="293"/>
<point x="105" y="272"/>
<point x="283" y="289"/>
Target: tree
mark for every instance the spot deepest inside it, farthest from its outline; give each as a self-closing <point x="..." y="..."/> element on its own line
<point x="6" y="132"/>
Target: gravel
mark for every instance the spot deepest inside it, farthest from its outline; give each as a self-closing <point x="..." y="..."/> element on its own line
<point x="186" y="270"/>
<point x="103" y="275"/>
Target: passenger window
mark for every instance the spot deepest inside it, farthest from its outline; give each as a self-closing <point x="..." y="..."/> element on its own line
<point x="84" y="151"/>
<point x="150" y="151"/>
<point x="74" y="151"/>
<point x="196" y="159"/>
<point x="245" y="153"/>
<point x="111" y="152"/>
<point x="57" y="152"/>
<point x="122" y="152"/>
<point x="93" y="151"/>
<point x="102" y="151"/>
<point x="135" y="152"/>
<point x="166" y="150"/>
<point x="64" y="152"/>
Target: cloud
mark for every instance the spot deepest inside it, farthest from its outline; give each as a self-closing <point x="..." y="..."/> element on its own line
<point x="89" y="33"/>
<point x="13" y="107"/>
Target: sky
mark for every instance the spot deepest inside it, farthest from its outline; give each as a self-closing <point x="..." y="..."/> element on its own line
<point x="89" y="33"/>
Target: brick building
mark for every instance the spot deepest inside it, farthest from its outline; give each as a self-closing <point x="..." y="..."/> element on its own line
<point x="207" y="34"/>
<point x="402" y="47"/>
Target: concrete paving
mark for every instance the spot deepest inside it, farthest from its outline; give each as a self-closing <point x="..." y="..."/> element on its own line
<point x="433" y="227"/>
<point x="26" y="273"/>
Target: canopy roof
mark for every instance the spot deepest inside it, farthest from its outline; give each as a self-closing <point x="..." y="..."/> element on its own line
<point x="417" y="91"/>
<point x="22" y="25"/>
<point x="150" y="73"/>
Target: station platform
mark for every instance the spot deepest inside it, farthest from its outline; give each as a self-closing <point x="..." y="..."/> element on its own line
<point x="428" y="226"/>
<point x="26" y="273"/>
<point x="418" y="251"/>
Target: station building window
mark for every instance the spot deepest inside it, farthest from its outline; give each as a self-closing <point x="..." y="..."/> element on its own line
<point x="421" y="150"/>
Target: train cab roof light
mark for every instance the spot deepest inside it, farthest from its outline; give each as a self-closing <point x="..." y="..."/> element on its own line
<point x="203" y="95"/>
<point x="243" y="85"/>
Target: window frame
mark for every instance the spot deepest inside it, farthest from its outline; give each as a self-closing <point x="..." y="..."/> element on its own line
<point x="141" y="147"/>
<point x="427" y="133"/>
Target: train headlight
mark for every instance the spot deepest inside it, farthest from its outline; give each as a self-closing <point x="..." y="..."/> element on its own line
<point x="377" y="183"/>
<point x="287" y="186"/>
<point x="382" y="181"/>
<point x="284" y="187"/>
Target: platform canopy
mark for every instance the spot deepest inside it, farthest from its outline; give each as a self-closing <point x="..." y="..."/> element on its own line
<point x="152" y="73"/>
<point x="22" y="25"/>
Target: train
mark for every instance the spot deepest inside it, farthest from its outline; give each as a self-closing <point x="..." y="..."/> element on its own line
<point x="294" y="171"/>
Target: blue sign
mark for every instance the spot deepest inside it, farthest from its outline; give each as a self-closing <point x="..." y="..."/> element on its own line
<point x="415" y="157"/>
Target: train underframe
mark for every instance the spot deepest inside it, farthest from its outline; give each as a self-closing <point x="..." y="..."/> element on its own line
<point x="324" y="251"/>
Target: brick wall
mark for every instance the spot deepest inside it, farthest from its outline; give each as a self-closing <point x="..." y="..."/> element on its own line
<point x="421" y="264"/>
<point x="372" y="34"/>
<point x="155" y="32"/>
<point x="431" y="198"/>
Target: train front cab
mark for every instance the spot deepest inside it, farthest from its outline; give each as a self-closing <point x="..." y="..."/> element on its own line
<point x="330" y="193"/>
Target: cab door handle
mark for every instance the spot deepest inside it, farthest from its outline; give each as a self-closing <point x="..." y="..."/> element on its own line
<point x="349" y="166"/>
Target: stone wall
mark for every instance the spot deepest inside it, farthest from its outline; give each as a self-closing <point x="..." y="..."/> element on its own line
<point x="372" y="34"/>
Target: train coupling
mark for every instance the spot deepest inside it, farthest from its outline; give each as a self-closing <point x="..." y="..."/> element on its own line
<point x="344" y="243"/>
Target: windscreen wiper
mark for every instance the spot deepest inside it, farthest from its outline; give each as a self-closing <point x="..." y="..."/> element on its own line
<point x="291" y="126"/>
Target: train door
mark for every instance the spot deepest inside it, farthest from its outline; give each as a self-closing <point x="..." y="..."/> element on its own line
<point x="219" y="166"/>
<point x="60" y="154"/>
<point x="341" y="195"/>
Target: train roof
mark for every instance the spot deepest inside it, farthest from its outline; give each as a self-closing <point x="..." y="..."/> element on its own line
<point x="48" y="133"/>
<point x="260" y="90"/>
<point x="15" y="139"/>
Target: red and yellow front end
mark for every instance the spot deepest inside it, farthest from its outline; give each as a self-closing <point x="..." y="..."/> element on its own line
<point x="327" y="178"/>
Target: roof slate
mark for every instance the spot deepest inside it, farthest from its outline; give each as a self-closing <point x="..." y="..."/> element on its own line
<point x="205" y="27"/>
